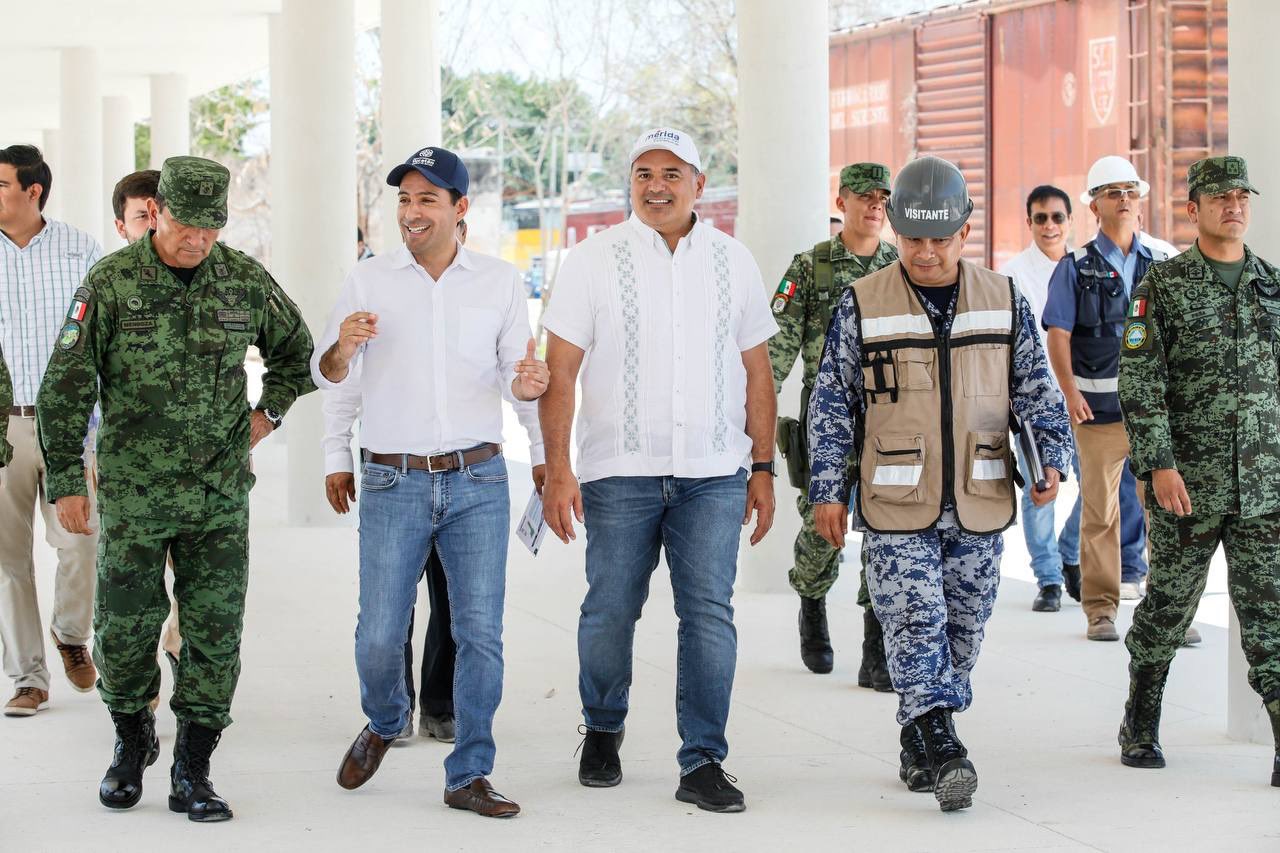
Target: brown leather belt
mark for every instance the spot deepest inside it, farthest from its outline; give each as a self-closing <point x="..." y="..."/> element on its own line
<point x="22" y="411"/>
<point x="435" y="464"/>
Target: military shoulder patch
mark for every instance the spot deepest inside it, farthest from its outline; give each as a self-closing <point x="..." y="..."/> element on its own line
<point x="1135" y="335"/>
<point x="786" y="288"/>
<point x="1138" y="307"/>
<point x="69" y="336"/>
<point x="78" y="309"/>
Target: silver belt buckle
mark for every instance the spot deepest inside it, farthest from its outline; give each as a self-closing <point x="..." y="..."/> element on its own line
<point x="431" y="470"/>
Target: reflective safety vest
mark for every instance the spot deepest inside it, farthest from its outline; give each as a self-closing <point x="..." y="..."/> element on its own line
<point x="1101" y="302"/>
<point x="936" y="429"/>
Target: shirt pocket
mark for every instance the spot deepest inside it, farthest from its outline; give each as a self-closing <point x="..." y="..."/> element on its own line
<point x="899" y="467"/>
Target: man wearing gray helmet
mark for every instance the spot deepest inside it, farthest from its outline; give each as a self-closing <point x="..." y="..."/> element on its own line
<point x="911" y="412"/>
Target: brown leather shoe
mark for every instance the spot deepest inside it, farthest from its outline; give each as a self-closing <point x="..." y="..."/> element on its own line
<point x="362" y="759"/>
<point x="26" y="702"/>
<point x="480" y="798"/>
<point x="77" y="664"/>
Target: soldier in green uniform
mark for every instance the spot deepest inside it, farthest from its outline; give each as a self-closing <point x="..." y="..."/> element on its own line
<point x="158" y="334"/>
<point x="802" y="306"/>
<point x="6" y="403"/>
<point x="1201" y="394"/>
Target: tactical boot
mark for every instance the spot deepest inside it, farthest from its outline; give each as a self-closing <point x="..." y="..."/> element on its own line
<point x="874" y="671"/>
<point x="915" y="769"/>
<point x="1140" y="732"/>
<point x="954" y="780"/>
<point x="815" y="642"/>
<point x="190" y="790"/>
<point x="1273" y="711"/>
<point x="136" y="749"/>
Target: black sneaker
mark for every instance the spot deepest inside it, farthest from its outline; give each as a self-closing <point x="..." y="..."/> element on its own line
<point x="711" y="789"/>
<point x="600" y="765"/>
<point x="1048" y="600"/>
<point x="1071" y="579"/>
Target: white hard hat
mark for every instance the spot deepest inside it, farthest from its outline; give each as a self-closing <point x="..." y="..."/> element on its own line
<point x="1112" y="169"/>
<point x="668" y="139"/>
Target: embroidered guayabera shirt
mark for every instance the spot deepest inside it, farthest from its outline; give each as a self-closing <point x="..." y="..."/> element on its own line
<point x="664" y="391"/>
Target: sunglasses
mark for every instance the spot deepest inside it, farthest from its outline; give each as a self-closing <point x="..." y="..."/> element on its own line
<point x="1115" y="194"/>
<point x="1041" y="218"/>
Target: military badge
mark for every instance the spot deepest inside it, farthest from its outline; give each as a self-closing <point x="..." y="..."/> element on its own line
<point x="134" y="303"/>
<point x="1135" y="336"/>
<point x="1138" y="308"/>
<point x="147" y="273"/>
<point x="787" y="288"/>
<point x="69" y="336"/>
<point x="78" y="309"/>
<point x="220" y="270"/>
<point x="779" y="304"/>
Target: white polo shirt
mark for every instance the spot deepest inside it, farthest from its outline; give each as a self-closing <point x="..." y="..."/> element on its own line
<point x="664" y="391"/>
<point x="433" y="379"/>
<point x="1031" y="270"/>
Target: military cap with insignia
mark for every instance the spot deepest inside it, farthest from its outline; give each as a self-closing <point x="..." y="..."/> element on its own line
<point x="195" y="191"/>
<point x="865" y="177"/>
<point x="1214" y="175"/>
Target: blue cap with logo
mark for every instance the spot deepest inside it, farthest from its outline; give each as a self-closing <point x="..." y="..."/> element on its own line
<point x="438" y="165"/>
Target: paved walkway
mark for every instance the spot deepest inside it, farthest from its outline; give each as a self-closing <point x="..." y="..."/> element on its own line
<point x="816" y="756"/>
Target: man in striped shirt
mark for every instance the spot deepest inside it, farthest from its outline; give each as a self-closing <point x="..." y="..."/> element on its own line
<point x="42" y="263"/>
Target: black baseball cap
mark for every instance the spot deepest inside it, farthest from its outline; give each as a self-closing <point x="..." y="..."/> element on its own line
<point x="438" y="165"/>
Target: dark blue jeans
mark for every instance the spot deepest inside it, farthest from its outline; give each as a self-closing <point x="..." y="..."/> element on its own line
<point x="697" y="523"/>
<point x="466" y="515"/>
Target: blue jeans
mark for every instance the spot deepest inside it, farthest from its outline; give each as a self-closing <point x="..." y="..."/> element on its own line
<point x="465" y="515"/>
<point x="1048" y="552"/>
<point x="697" y="522"/>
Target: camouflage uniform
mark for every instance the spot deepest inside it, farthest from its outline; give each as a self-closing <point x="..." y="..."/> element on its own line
<point x="803" y="311"/>
<point x="6" y="403"/>
<point x="1200" y="389"/>
<point x="933" y="591"/>
<point x="166" y="360"/>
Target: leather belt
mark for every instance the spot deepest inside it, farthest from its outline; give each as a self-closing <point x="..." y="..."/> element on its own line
<point x="22" y="411"/>
<point x="435" y="464"/>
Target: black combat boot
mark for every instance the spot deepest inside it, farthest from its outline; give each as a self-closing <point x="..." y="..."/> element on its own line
<point x="600" y="765"/>
<point x="136" y="749"/>
<point x="1273" y="711"/>
<point x="874" y="671"/>
<point x="915" y="770"/>
<point x="190" y="790"/>
<point x="954" y="779"/>
<point x="1140" y="732"/>
<point x="815" y="642"/>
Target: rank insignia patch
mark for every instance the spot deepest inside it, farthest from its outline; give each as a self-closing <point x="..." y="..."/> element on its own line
<point x="147" y="273"/>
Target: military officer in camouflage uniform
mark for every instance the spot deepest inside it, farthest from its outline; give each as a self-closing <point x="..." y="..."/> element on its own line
<point x="802" y="306"/>
<point x="923" y="363"/>
<point x="1201" y="395"/>
<point x="6" y="403"/>
<point x="158" y="334"/>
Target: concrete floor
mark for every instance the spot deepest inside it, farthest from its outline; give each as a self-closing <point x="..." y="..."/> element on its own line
<point x="816" y="756"/>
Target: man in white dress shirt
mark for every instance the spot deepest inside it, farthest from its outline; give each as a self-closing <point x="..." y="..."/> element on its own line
<point x="677" y="405"/>
<point x="431" y="335"/>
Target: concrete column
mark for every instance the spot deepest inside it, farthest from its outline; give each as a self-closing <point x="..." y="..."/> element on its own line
<point x="170" y="117"/>
<point x="312" y="200"/>
<point x="782" y="201"/>
<point x="410" y="109"/>
<point x="1251" y="133"/>
<point x="52" y="149"/>
<point x="77" y="180"/>
<point x="118" y="159"/>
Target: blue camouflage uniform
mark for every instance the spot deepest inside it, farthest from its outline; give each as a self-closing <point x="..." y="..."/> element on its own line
<point x="933" y="590"/>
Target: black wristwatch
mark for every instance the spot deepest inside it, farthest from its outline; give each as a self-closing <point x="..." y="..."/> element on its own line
<point x="763" y="466"/>
<point x="275" y="418"/>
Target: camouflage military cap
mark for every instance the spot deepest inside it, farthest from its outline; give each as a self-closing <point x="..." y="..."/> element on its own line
<point x="195" y="191"/>
<point x="1214" y="175"/>
<point x="865" y="177"/>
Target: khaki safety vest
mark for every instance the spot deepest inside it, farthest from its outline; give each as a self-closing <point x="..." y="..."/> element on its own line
<point x="936" y="428"/>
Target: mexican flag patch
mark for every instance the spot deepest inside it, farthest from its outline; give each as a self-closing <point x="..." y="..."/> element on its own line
<point x="78" y="309"/>
<point x="787" y="288"/>
<point x="1138" y="308"/>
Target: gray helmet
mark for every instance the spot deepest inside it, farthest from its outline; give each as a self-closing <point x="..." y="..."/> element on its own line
<point x="929" y="200"/>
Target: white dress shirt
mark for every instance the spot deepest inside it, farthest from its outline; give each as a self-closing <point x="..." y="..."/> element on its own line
<point x="1031" y="270"/>
<point x="664" y="390"/>
<point x="36" y="286"/>
<point x="433" y="379"/>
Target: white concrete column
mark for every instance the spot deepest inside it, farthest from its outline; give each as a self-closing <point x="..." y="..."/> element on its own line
<point x="782" y="200"/>
<point x="313" y="217"/>
<point x="1251" y="134"/>
<point x="410" y="109"/>
<point x="77" y="180"/>
<point x="52" y="149"/>
<point x="170" y="117"/>
<point x="118" y="159"/>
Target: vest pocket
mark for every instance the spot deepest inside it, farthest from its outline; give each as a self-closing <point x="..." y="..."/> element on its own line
<point x="914" y="369"/>
<point x="984" y="369"/>
<point x="987" y="474"/>
<point x="899" y="461"/>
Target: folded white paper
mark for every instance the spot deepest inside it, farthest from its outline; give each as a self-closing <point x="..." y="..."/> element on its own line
<point x="532" y="527"/>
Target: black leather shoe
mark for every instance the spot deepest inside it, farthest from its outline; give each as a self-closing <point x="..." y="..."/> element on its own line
<point x="955" y="778"/>
<point x="600" y="765"/>
<point x="711" y="789"/>
<point x="190" y="790"/>
<point x="1048" y="599"/>
<point x="1071" y="579"/>
<point x="1139" y="736"/>
<point x="815" y="642"/>
<point x="915" y="769"/>
<point x="137" y="748"/>
<point x="874" y="671"/>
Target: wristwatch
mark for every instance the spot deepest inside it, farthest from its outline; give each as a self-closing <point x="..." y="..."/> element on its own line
<point x="763" y="466"/>
<point x="275" y="418"/>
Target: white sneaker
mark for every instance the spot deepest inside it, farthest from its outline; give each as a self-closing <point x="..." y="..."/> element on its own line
<point x="1130" y="591"/>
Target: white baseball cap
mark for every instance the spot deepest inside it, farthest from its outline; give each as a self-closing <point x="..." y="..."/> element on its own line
<point x="1112" y="169"/>
<point x="668" y="139"/>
